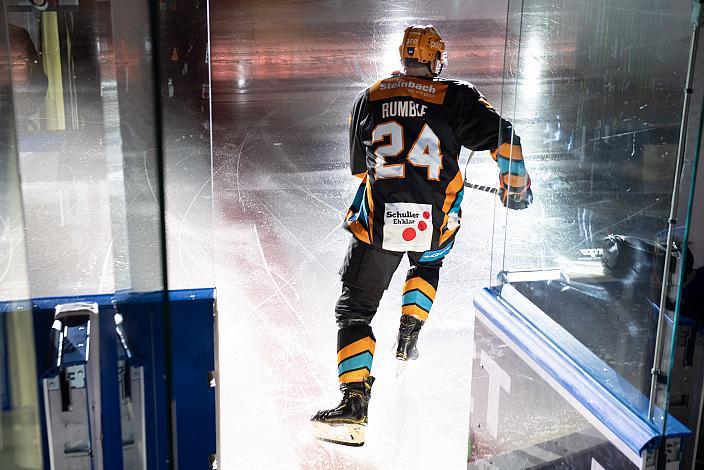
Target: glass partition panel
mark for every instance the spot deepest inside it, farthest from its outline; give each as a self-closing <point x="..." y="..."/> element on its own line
<point x="684" y="290"/>
<point x="20" y="446"/>
<point x="522" y="419"/>
<point x="90" y="142"/>
<point x="140" y="153"/>
<point x="594" y="90"/>
<point x="102" y="91"/>
<point x="61" y="126"/>
<point x="86" y="132"/>
<point x="185" y="77"/>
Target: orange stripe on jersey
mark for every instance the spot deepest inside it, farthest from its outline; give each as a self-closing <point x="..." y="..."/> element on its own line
<point x="485" y="103"/>
<point x="425" y="90"/>
<point x="420" y="284"/>
<point x="450" y="195"/>
<point x="370" y="214"/>
<point x="359" y="346"/>
<point x="361" y="175"/>
<point x="446" y="235"/>
<point x="359" y="232"/>
<point x="513" y="152"/>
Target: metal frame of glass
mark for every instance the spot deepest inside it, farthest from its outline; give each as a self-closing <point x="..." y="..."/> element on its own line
<point x="19" y="411"/>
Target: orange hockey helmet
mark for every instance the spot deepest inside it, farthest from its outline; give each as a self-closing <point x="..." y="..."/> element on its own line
<point x="423" y="44"/>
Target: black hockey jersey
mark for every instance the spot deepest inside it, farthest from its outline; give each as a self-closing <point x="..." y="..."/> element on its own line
<point x="405" y="139"/>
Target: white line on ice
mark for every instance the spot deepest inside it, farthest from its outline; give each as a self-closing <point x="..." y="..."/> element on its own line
<point x="149" y="182"/>
<point x="318" y="199"/>
<point x="239" y="157"/>
<point x="276" y="285"/>
<point x="310" y="254"/>
<point x="183" y="224"/>
<point x="254" y="310"/>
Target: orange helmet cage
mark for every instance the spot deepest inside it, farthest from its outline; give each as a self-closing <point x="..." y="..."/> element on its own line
<point x="423" y="44"/>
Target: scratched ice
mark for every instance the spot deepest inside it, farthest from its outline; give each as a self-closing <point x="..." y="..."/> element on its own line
<point x="282" y="185"/>
<point x="263" y="222"/>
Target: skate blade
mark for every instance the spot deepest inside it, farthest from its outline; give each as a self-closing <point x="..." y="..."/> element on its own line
<point x="345" y="434"/>
<point x="401" y="356"/>
<point x="406" y="357"/>
<point x="401" y="368"/>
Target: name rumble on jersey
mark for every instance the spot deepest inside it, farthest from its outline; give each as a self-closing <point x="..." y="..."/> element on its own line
<point x="402" y="109"/>
<point x="402" y="218"/>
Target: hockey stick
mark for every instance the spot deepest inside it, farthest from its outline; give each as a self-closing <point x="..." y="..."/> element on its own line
<point x="478" y="187"/>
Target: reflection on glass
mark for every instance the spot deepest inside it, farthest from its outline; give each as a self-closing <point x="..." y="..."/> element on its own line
<point x="518" y="420"/>
<point x="61" y="129"/>
<point x="19" y="407"/>
<point x="91" y="158"/>
<point x="85" y="121"/>
<point x="187" y="151"/>
<point x="598" y="113"/>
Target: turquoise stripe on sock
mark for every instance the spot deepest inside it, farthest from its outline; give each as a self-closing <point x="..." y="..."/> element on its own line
<point x="418" y="298"/>
<point x="356" y="362"/>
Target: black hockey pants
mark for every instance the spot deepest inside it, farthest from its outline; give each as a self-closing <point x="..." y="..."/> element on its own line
<point x="366" y="274"/>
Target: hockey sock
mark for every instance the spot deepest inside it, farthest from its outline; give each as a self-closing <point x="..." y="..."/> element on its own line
<point x="355" y="352"/>
<point x="418" y="296"/>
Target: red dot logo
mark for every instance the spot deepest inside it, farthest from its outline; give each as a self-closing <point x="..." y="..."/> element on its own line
<point x="422" y="226"/>
<point x="426" y="215"/>
<point x="409" y="234"/>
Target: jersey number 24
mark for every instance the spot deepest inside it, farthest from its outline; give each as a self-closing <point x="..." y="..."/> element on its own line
<point x="425" y="151"/>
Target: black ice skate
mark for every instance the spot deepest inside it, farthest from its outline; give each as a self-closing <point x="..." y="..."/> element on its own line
<point x="407" y="338"/>
<point x="345" y="423"/>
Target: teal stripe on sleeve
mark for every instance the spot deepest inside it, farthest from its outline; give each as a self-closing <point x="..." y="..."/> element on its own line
<point x="458" y="201"/>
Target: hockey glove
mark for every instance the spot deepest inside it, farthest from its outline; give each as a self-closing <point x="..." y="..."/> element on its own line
<point x="516" y="201"/>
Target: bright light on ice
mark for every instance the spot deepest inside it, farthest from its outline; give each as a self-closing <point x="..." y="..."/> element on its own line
<point x="531" y="72"/>
<point x="390" y="60"/>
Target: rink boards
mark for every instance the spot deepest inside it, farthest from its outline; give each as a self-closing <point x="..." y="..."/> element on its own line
<point x="533" y="407"/>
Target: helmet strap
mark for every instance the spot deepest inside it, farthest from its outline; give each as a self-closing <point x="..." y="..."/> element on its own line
<point x="416" y="65"/>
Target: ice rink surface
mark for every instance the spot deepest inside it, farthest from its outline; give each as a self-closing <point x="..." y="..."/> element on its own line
<point x="263" y="223"/>
<point x="284" y="77"/>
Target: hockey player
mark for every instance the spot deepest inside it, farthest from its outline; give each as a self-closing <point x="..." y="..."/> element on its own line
<point x="406" y="132"/>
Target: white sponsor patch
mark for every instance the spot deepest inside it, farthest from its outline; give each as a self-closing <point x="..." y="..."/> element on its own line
<point x="407" y="226"/>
